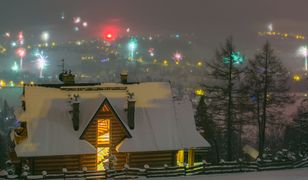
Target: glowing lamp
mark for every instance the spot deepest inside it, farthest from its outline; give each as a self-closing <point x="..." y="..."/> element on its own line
<point x="297" y="77"/>
<point x="45" y="36"/>
<point x="2" y="83"/>
<point x="200" y="92"/>
<point x="165" y="62"/>
<point x="11" y="84"/>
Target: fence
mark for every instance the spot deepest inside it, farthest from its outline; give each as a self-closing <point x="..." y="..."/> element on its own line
<point x="166" y="171"/>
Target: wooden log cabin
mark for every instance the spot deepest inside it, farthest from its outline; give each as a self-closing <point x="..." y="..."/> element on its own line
<point x="105" y="125"/>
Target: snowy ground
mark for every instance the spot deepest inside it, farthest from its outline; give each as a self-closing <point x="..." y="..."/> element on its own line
<point x="293" y="174"/>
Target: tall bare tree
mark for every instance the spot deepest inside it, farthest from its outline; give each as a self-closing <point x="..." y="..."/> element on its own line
<point x="266" y="79"/>
<point x="223" y="89"/>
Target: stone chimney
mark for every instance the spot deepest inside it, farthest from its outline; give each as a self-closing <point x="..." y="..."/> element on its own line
<point x="124" y="76"/>
<point x="131" y="110"/>
<point x="75" y="112"/>
<point x="67" y="77"/>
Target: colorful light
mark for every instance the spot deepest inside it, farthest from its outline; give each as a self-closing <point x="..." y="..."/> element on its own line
<point x="11" y="84"/>
<point x="77" y="20"/>
<point x="76" y="29"/>
<point x="7" y="34"/>
<point x="110" y="33"/>
<point x="165" y="63"/>
<point x="109" y="37"/>
<point x="62" y="16"/>
<point x="297" y="77"/>
<point x="128" y="30"/>
<point x="85" y="24"/>
<point x="270" y="27"/>
<point x="303" y="51"/>
<point x="177" y="56"/>
<point x="132" y="46"/>
<point x="2" y="83"/>
<point x="151" y="52"/>
<point x="15" y="67"/>
<point x="20" y="37"/>
<point x="236" y="57"/>
<point x="199" y="92"/>
<point x="13" y="44"/>
<point x="45" y="36"/>
<point x="21" y="52"/>
<point x="41" y="62"/>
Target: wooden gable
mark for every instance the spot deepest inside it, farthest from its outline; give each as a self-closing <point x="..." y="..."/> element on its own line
<point x="117" y="133"/>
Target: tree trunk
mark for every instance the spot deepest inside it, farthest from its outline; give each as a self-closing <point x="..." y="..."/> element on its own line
<point x="264" y="108"/>
<point x="259" y="123"/>
<point x="229" y="111"/>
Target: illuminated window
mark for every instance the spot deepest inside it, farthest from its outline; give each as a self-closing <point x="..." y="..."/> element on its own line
<point x="180" y="158"/>
<point x="102" y="157"/>
<point x="103" y="129"/>
<point x="103" y="142"/>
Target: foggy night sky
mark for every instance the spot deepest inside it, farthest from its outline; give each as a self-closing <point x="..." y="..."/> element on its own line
<point x="211" y="20"/>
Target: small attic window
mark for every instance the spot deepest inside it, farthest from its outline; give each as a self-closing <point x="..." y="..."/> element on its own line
<point x="106" y="108"/>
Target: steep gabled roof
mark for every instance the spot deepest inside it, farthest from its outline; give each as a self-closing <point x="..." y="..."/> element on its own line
<point x="160" y="122"/>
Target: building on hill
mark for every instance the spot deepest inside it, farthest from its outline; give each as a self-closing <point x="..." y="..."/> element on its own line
<point x="101" y="126"/>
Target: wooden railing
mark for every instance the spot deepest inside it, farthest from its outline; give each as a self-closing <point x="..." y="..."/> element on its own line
<point x="166" y="171"/>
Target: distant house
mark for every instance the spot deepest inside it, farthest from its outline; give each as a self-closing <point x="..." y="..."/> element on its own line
<point x="104" y="125"/>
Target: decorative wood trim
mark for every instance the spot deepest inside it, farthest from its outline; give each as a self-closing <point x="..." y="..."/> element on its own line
<point x="113" y="111"/>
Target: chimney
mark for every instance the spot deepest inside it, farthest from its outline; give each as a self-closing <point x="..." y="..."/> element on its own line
<point x="131" y="110"/>
<point x="75" y="112"/>
<point x="124" y="77"/>
<point x="67" y="77"/>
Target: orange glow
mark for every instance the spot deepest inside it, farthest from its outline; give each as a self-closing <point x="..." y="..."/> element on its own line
<point x="180" y="157"/>
<point x="103" y="129"/>
<point x="102" y="157"/>
<point x="103" y="141"/>
<point x="297" y="77"/>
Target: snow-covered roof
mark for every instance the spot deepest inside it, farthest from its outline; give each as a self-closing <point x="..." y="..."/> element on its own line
<point x="160" y="122"/>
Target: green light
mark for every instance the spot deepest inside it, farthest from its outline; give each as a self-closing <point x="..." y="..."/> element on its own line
<point x="11" y="84"/>
<point x="237" y="58"/>
<point x="15" y="67"/>
<point x="132" y="46"/>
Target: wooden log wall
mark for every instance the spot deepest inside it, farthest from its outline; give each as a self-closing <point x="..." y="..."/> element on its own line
<point x="153" y="159"/>
<point x="54" y="164"/>
<point x="117" y="134"/>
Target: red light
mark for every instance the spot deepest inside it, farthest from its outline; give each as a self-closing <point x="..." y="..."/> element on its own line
<point x="21" y="52"/>
<point x="109" y="36"/>
<point x="110" y="33"/>
<point x="20" y="36"/>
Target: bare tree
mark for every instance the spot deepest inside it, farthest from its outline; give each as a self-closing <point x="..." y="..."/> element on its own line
<point x="266" y="79"/>
<point x="223" y="89"/>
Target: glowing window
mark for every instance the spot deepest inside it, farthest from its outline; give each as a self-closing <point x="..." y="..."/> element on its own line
<point x="103" y="143"/>
<point x="102" y="157"/>
<point x="180" y="158"/>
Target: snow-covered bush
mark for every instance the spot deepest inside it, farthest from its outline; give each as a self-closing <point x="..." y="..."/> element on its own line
<point x="44" y="173"/>
<point x="9" y="167"/>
